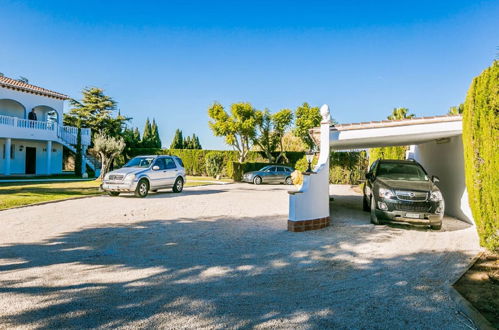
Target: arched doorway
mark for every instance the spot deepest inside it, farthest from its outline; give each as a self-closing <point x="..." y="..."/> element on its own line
<point x="46" y="113"/>
<point x="12" y="108"/>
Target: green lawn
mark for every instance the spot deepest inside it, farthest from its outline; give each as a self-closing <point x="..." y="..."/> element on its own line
<point x="19" y="194"/>
<point x="26" y="193"/>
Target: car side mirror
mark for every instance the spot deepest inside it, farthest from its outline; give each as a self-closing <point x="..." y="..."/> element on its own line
<point x="155" y="168"/>
<point x="369" y="176"/>
<point x="435" y="179"/>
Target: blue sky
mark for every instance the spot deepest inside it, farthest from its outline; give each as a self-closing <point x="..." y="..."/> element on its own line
<point x="171" y="60"/>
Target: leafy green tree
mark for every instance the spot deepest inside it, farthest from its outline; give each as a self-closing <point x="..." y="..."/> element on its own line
<point x="456" y="110"/>
<point x="156" y="140"/>
<point x="95" y="111"/>
<point x="271" y="129"/>
<point x="307" y="117"/>
<point x="481" y="154"/>
<point x="108" y="148"/>
<point x="178" y="140"/>
<point x="237" y="127"/>
<point x="395" y="152"/>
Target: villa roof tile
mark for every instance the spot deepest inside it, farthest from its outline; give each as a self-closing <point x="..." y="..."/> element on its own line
<point x="25" y="87"/>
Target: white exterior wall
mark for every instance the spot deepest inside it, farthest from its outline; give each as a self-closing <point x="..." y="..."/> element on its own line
<point x="30" y="101"/>
<point x="18" y="163"/>
<point x="446" y="160"/>
<point x="311" y="200"/>
<point x="30" y="137"/>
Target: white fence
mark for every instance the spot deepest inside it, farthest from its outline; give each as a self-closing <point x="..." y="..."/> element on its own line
<point x="68" y="134"/>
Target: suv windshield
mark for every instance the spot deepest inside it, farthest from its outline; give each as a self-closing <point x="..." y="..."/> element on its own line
<point x="401" y="171"/>
<point x="143" y="162"/>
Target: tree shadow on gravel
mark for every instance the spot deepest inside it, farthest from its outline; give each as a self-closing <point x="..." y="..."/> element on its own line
<point x="222" y="273"/>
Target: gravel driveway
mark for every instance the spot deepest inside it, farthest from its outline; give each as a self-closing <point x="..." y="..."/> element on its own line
<point x="220" y="257"/>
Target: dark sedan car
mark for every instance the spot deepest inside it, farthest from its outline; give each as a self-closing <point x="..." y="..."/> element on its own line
<point x="270" y="174"/>
<point x="402" y="191"/>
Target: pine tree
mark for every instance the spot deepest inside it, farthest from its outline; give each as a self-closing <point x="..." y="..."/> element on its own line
<point x="178" y="141"/>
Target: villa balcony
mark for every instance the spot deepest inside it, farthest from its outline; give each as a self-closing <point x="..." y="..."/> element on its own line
<point x="18" y="128"/>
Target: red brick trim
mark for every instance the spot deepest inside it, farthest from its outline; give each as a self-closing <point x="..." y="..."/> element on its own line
<point x="305" y="225"/>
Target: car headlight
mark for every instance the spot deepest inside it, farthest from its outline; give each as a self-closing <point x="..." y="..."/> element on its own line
<point x="129" y="177"/>
<point x="385" y="193"/>
<point x="436" y="196"/>
<point x="106" y="177"/>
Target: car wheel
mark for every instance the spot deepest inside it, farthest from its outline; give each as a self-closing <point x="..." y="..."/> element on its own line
<point x="178" y="186"/>
<point x="142" y="188"/>
<point x="374" y="218"/>
<point x="257" y="180"/>
<point x="113" y="193"/>
<point x="436" y="227"/>
<point x="365" y="204"/>
<point x="288" y="180"/>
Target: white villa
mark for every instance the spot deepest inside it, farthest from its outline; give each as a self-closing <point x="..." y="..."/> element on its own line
<point x="29" y="147"/>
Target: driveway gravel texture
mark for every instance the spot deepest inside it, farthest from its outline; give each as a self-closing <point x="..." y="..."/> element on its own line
<point x="221" y="257"/>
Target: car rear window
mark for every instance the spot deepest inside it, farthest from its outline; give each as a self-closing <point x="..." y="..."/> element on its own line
<point x="180" y="161"/>
<point x="169" y="163"/>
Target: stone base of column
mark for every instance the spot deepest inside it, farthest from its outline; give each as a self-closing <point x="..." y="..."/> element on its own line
<point x="305" y="225"/>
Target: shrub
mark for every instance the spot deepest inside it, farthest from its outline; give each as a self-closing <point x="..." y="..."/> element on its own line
<point x="302" y="164"/>
<point x="214" y="163"/>
<point x="396" y="152"/>
<point x="481" y="154"/>
<point x="347" y="167"/>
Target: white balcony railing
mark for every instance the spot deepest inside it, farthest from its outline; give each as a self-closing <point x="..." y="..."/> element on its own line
<point x="68" y="134"/>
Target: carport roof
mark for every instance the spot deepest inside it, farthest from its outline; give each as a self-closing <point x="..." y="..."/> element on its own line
<point x="391" y="132"/>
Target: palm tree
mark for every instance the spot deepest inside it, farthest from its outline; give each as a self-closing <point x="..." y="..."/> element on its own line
<point x="400" y="113"/>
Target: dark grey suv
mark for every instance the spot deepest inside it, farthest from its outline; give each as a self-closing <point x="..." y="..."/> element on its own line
<point x="402" y="191"/>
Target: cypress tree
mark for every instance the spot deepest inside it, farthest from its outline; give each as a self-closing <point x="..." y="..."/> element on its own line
<point x="481" y="154"/>
<point x="136" y="137"/>
<point x="147" y="135"/>
<point x="198" y="144"/>
<point x="155" y="134"/>
<point x="187" y="143"/>
<point x="178" y="141"/>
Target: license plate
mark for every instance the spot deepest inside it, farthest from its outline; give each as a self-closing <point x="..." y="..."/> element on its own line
<point x="412" y="215"/>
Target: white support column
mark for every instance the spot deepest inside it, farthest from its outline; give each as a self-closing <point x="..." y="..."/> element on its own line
<point x="309" y="205"/>
<point x="49" y="157"/>
<point x="8" y="144"/>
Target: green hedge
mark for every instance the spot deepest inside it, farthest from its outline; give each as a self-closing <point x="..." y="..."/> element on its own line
<point x="235" y="170"/>
<point x="195" y="160"/>
<point x="481" y="154"/>
<point x="395" y="152"/>
<point x="345" y="167"/>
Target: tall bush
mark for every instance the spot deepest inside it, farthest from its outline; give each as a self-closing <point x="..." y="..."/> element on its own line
<point x="481" y="153"/>
<point x="215" y="163"/>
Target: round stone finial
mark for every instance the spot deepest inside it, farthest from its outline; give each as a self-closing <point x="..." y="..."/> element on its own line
<point x="325" y="112"/>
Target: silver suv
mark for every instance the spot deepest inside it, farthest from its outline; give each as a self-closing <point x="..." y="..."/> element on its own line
<point x="144" y="173"/>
